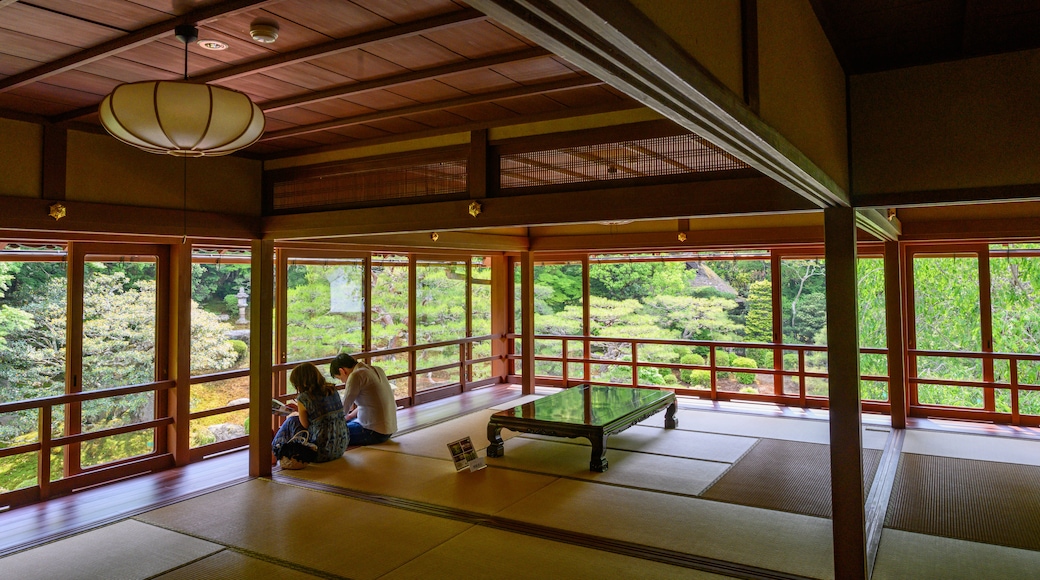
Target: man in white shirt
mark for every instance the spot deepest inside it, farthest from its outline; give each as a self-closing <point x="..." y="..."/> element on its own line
<point x="375" y="418"/>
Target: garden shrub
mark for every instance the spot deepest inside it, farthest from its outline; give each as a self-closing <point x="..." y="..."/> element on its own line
<point x="744" y="363"/>
<point x="699" y="378"/>
<point x="722" y="359"/>
<point x="690" y="359"/>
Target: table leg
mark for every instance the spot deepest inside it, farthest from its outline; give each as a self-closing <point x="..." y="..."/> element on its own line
<point x="670" y="422"/>
<point x="599" y="454"/>
<point x="497" y="448"/>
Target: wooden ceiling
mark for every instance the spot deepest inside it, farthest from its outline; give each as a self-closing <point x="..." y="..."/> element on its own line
<point x="340" y="72"/>
<point x="345" y="72"/>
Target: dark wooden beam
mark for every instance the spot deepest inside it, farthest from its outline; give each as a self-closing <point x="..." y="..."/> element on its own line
<point x="846" y="444"/>
<point x="100" y="218"/>
<point x="749" y="42"/>
<point x="55" y="154"/>
<point x="523" y="91"/>
<point x="616" y="42"/>
<point x="749" y="195"/>
<point x="131" y="40"/>
<point x="897" y="392"/>
<point x="477" y="177"/>
<point x="668" y="241"/>
<point x="877" y="224"/>
<point x="401" y="80"/>
<point x="996" y="229"/>
<point x="924" y="198"/>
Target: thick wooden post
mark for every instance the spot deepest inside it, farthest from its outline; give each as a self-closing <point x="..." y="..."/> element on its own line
<point x="179" y="367"/>
<point x="894" y="332"/>
<point x="261" y="313"/>
<point x="501" y="315"/>
<point x="527" y="321"/>
<point x="847" y="498"/>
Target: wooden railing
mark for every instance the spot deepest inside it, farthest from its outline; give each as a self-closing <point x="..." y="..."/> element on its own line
<point x="989" y="386"/>
<point x="788" y="386"/>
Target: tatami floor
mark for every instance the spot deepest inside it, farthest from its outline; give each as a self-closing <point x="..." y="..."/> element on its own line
<point x="400" y="510"/>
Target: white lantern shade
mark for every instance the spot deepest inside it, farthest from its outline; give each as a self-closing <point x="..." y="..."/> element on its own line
<point x="181" y="118"/>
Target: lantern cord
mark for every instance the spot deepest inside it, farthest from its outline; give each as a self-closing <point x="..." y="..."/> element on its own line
<point x="184" y="202"/>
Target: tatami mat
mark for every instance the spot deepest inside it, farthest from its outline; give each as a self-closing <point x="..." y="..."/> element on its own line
<point x="482" y="553"/>
<point x="904" y="555"/>
<point x="791" y="429"/>
<point x="643" y="470"/>
<point x="674" y="442"/>
<point x="781" y="541"/>
<point x="228" y="565"/>
<point x="127" y="549"/>
<point x="308" y="528"/>
<point x="980" y="447"/>
<point x="423" y="479"/>
<point x="979" y="501"/>
<point x="790" y="476"/>
<point x="433" y="441"/>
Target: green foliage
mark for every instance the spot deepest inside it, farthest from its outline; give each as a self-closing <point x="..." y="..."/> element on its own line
<point x="722" y="359"/>
<point x="218" y="281"/>
<point x="698" y="378"/>
<point x="804" y="299"/>
<point x="690" y="359"/>
<point x="744" y="363"/>
<point x="563" y="282"/>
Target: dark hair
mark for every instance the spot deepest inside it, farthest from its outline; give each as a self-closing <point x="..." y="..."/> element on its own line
<point x="342" y="360"/>
<point x="307" y="379"/>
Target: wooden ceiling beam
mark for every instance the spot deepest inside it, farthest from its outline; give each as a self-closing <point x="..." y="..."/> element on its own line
<point x="716" y="197"/>
<point x="523" y="91"/>
<point x="882" y="226"/>
<point x="669" y="241"/>
<point x="401" y="80"/>
<point x="131" y="40"/>
<point x="616" y="42"/>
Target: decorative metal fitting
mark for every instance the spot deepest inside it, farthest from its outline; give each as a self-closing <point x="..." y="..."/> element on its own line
<point x="57" y="211"/>
<point x="475" y="208"/>
<point x="434" y="236"/>
<point x="682" y="236"/>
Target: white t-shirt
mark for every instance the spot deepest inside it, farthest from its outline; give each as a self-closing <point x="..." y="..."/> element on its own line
<point x="369" y="388"/>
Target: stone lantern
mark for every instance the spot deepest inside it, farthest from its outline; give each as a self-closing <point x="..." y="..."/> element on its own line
<point x="242" y="299"/>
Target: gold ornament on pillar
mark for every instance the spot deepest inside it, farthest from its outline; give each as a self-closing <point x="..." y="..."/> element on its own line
<point x="682" y="236"/>
<point x="475" y="208"/>
<point x="57" y="211"/>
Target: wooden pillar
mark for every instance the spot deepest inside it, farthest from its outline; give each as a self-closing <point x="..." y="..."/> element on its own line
<point x="501" y="315"/>
<point x="179" y="367"/>
<point x="413" y="291"/>
<point x="894" y="332"/>
<point x="847" y="498"/>
<point x="73" y="354"/>
<point x="527" y="321"/>
<point x="586" y="318"/>
<point x="261" y="313"/>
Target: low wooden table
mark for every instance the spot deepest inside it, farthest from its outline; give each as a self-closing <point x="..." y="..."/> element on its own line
<point x="590" y="411"/>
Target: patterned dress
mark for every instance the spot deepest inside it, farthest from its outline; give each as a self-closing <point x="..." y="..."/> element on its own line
<point x="328" y="426"/>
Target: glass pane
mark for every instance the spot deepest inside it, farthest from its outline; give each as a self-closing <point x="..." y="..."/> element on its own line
<point x="119" y="322"/>
<point x="870" y="290"/>
<point x="480" y="296"/>
<point x="803" y="296"/>
<point x="123" y="446"/>
<point x="220" y="296"/>
<point x="1029" y="402"/>
<point x="440" y="301"/>
<point x="217" y="428"/>
<point x="325" y="309"/>
<point x="950" y="396"/>
<point x="1014" y="288"/>
<point x="873" y="390"/>
<point x="216" y="394"/>
<point x="390" y="288"/>
<point x="947" y="318"/>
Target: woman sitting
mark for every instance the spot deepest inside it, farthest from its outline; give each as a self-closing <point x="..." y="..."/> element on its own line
<point x="320" y="421"/>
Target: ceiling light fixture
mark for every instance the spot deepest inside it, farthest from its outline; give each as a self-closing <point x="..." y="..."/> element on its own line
<point x="182" y="118"/>
<point x="210" y="44"/>
<point x="264" y="31"/>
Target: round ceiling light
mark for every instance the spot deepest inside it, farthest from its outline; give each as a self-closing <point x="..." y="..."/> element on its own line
<point x="210" y="44"/>
<point x="181" y="118"/>
<point x="263" y="31"/>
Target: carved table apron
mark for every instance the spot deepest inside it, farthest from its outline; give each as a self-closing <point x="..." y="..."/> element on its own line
<point x="590" y="411"/>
